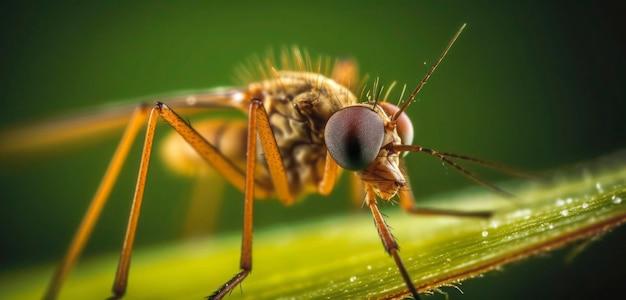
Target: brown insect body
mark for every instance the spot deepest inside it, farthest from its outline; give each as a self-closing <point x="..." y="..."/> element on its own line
<point x="300" y="126"/>
<point x="298" y="105"/>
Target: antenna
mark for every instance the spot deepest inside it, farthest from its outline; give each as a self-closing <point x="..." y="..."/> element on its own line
<point x="428" y="74"/>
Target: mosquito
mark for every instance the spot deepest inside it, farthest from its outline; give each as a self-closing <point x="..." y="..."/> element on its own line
<point x="310" y="125"/>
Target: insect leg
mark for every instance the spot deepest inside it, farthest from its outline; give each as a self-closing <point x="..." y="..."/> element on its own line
<point x="246" y="240"/>
<point x="97" y="203"/>
<point x="389" y="242"/>
<point x="331" y="170"/>
<point x="272" y="154"/>
<point x="202" y="147"/>
<point x="121" y="276"/>
<point x="226" y="168"/>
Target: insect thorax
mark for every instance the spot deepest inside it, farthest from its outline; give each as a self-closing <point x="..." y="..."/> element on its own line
<point x="298" y="105"/>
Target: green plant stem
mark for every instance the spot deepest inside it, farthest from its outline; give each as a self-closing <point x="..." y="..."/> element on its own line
<point x="341" y="257"/>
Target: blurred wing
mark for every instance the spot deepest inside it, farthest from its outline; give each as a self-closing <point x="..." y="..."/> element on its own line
<point x="94" y="122"/>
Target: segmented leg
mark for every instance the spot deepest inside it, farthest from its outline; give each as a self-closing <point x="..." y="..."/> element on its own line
<point x="246" y="240"/>
<point x="97" y="203"/>
<point x="389" y="242"/>
<point x="78" y="128"/>
<point x="257" y="120"/>
<point x="121" y="276"/>
<point x="271" y="152"/>
<point x="206" y="151"/>
<point x="331" y="170"/>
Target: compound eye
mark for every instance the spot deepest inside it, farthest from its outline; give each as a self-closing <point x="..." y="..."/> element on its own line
<point x="404" y="125"/>
<point x="354" y="136"/>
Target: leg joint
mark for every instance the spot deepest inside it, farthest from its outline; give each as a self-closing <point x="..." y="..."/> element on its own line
<point x="256" y="101"/>
<point x="391" y="246"/>
<point x="246" y="267"/>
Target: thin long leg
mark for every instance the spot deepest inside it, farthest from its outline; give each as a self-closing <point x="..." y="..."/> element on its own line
<point x="329" y="178"/>
<point x="97" y="203"/>
<point x="218" y="161"/>
<point x="389" y="242"/>
<point x="204" y="149"/>
<point x="121" y="276"/>
<point x="246" y="240"/>
<point x="272" y="154"/>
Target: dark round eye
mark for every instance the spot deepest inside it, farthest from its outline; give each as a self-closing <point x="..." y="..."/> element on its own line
<point x="353" y="137"/>
<point x="404" y="125"/>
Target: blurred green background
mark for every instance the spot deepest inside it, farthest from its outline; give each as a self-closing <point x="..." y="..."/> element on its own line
<point x="537" y="85"/>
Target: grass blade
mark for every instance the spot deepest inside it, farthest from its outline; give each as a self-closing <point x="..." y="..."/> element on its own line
<point x="341" y="257"/>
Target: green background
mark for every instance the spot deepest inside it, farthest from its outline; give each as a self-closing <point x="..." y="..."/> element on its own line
<point x="536" y="85"/>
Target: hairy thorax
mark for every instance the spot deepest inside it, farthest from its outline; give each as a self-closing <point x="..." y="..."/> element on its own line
<point x="298" y="105"/>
